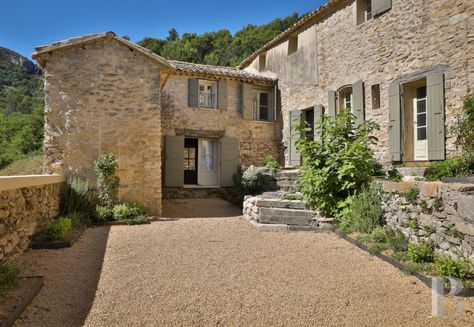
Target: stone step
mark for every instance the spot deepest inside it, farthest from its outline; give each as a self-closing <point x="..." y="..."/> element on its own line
<point x="280" y="203"/>
<point x="412" y="171"/>
<point x="286" y="216"/>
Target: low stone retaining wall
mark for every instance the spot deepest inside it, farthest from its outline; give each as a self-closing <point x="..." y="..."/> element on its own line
<point x="438" y="213"/>
<point x="27" y="204"/>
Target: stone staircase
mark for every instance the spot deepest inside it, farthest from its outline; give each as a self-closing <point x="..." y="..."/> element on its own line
<point x="284" y="210"/>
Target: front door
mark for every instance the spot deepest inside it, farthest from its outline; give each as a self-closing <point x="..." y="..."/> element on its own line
<point x="208" y="163"/>
<point x="191" y="161"/>
<point x="420" y="125"/>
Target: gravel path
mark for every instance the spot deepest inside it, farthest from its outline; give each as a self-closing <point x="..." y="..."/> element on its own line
<point x="222" y="272"/>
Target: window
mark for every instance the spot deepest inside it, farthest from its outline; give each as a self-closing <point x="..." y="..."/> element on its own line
<point x="345" y="99"/>
<point x="262" y="62"/>
<point x="292" y="44"/>
<point x="420" y="113"/>
<point x="375" y="96"/>
<point x="190" y="158"/>
<point x="261" y="105"/>
<point x="365" y="10"/>
<point x="207" y="94"/>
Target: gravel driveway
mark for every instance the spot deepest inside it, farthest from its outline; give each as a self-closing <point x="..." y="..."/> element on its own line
<point x="222" y="272"/>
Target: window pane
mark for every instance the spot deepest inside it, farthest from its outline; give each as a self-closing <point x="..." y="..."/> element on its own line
<point x="421" y="121"/>
<point x="421" y="106"/>
<point x="186" y="167"/>
<point x="192" y="153"/>
<point x="192" y="165"/>
<point x="207" y="155"/>
<point x="421" y="92"/>
<point x="421" y="133"/>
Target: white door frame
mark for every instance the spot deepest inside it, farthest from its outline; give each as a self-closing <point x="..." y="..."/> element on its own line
<point x="208" y="176"/>
<point x="420" y="147"/>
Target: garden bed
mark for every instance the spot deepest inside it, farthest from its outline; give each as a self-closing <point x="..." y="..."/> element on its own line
<point x="40" y="241"/>
<point x="387" y="255"/>
<point x="17" y="298"/>
<point x="123" y="222"/>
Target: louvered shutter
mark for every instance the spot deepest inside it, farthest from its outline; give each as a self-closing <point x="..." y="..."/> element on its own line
<point x="332" y="103"/>
<point x="174" y="160"/>
<point x="358" y="101"/>
<point x="394" y="133"/>
<point x="380" y="6"/>
<point x="318" y="115"/>
<point x="193" y="93"/>
<point x="435" y="116"/>
<point x="222" y="95"/>
<point x="229" y="148"/>
<point x="294" y="135"/>
<point x="247" y="101"/>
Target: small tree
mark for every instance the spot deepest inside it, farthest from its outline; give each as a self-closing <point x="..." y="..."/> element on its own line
<point x="107" y="182"/>
<point x="464" y="130"/>
<point x="338" y="163"/>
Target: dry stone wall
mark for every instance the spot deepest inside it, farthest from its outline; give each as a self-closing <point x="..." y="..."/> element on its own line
<point x="23" y="212"/>
<point x="257" y="139"/>
<point x="441" y="214"/>
<point x="105" y="97"/>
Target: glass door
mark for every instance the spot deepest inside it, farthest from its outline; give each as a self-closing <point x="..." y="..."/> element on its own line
<point x="208" y="163"/>
<point x="420" y="125"/>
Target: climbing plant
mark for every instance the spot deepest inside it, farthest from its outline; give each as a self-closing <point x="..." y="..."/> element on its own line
<point x="107" y="182"/>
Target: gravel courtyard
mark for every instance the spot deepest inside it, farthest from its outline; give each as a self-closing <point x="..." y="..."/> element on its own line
<point x="221" y="272"/>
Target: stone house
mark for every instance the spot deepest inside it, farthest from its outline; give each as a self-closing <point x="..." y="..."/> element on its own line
<point x="406" y="64"/>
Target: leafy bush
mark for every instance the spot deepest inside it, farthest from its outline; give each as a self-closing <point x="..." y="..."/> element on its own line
<point x="419" y="267"/>
<point x="58" y="229"/>
<point x="107" y="182"/>
<point x="127" y="211"/>
<point x="454" y="268"/>
<point x="272" y="163"/>
<point x="76" y="197"/>
<point x="397" y="240"/>
<point x="252" y="181"/>
<point x="364" y="212"/>
<point x="420" y="252"/>
<point x="412" y="195"/>
<point x="379" y="235"/>
<point x="8" y="277"/>
<point x="103" y="213"/>
<point x="338" y="163"/>
<point x="446" y="168"/>
<point x="394" y="175"/>
<point x="465" y="137"/>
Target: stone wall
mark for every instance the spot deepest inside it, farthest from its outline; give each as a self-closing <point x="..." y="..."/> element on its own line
<point x="26" y="210"/>
<point x="105" y="97"/>
<point x="257" y="139"/>
<point x="442" y="214"/>
<point x="411" y="37"/>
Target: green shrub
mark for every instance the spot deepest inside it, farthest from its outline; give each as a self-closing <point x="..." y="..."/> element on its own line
<point x="364" y="211"/>
<point x="378" y="247"/>
<point x="127" y="211"/>
<point x="107" y="182"/>
<point x="252" y="181"/>
<point x="8" y="277"/>
<point x="446" y="168"/>
<point x="394" y="175"/>
<point x="412" y="195"/>
<point x="414" y="223"/>
<point x="419" y="267"/>
<point x="458" y="268"/>
<point x="272" y="163"/>
<point x="397" y="240"/>
<point x="399" y="256"/>
<point x="420" y="252"/>
<point x="103" y="213"/>
<point x="58" y="229"/>
<point x="338" y="163"/>
<point x="76" y="197"/>
<point x="379" y="235"/>
<point x="465" y="137"/>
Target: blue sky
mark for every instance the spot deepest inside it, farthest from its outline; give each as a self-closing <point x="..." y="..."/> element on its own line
<point x="29" y="23"/>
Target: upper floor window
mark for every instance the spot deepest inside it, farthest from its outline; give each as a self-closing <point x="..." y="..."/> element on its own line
<point x="207" y="94"/>
<point x="368" y="9"/>
<point x="292" y="44"/>
<point x="262" y="105"/>
<point x="262" y="62"/>
<point x="345" y="99"/>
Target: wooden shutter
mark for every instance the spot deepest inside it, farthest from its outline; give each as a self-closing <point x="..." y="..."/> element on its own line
<point x="193" y="93"/>
<point x="358" y="101"/>
<point x="229" y="148"/>
<point x="380" y="6"/>
<point x="332" y="103"/>
<point x="294" y="135"/>
<point x="222" y="95"/>
<point x="435" y="116"/>
<point x="318" y="115"/>
<point x="247" y="101"/>
<point x="174" y="160"/>
<point x="273" y="104"/>
<point x="395" y="127"/>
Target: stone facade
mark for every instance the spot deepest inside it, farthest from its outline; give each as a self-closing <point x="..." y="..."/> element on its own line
<point x="442" y="215"/>
<point x="258" y="139"/>
<point x="411" y="38"/>
<point x="105" y="97"/>
<point x="23" y="212"/>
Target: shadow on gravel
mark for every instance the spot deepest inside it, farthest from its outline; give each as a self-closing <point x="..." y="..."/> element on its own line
<point x="200" y="208"/>
<point x="71" y="279"/>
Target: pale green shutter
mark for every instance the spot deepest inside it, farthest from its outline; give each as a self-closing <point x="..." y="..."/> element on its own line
<point x="222" y="95"/>
<point x="358" y="101"/>
<point x="273" y="103"/>
<point x="247" y="101"/>
<point x="193" y="93"/>
<point x="294" y="135"/>
<point x="318" y="115"/>
<point x="435" y="116"/>
<point x="395" y="127"/>
<point x="229" y="148"/>
<point x="332" y="103"/>
<point x="174" y="160"/>
<point x="380" y="6"/>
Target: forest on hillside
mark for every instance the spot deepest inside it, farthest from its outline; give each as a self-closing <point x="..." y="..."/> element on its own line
<point x="21" y="81"/>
